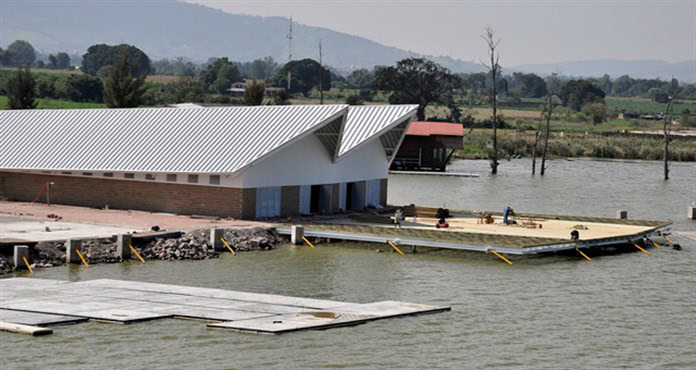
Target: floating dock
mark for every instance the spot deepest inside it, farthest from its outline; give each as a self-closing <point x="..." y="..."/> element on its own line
<point x="45" y="302"/>
<point x="486" y="232"/>
<point x="433" y="173"/>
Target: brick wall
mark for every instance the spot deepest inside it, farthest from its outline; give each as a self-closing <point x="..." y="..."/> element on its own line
<point x="289" y="200"/>
<point x="124" y="194"/>
<point x="383" y="191"/>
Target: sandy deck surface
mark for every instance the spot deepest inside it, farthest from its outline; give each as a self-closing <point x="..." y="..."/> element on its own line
<point x="558" y="229"/>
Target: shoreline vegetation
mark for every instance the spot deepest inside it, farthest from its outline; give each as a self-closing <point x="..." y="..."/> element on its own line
<point x="514" y="144"/>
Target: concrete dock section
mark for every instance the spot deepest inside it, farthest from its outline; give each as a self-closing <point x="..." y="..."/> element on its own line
<point x="50" y="302"/>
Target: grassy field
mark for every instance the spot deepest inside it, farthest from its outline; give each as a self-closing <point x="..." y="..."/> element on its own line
<point x="56" y="104"/>
<point x="647" y="106"/>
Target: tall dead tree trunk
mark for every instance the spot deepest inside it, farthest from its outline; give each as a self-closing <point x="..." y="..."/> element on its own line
<point x="554" y="85"/>
<point x="537" y="136"/>
<point x="666" y="131"/>
<point x="494" y="69"/>
<point x="667" y="125"/>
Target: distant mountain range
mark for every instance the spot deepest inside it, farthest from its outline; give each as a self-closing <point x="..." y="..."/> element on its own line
<point x="170" y="28"/>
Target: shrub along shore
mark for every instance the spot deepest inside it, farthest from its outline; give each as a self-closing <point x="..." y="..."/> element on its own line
<point x="570" y="145"/>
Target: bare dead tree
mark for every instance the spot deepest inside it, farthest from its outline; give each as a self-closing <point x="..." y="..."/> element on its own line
<point x="554" y="85"/>
<point x="494" y="70"/>
<point x="537" y="136"/>
<point x="667" y="125"/>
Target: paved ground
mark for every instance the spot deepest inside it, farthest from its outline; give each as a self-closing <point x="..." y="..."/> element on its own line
<point x="27" y="228"/>
<point x="21" y="220"/>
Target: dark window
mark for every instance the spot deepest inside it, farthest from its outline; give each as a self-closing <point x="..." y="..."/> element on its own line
<point x="66" y="173"/>
<point x="86" y="174"/>
<point x="129" y="175"/>
<point x="149" y="176"/>
<point x="193" y="179"/>
<point x="108" y="174"/>
<point x="171" y="177"/>
<point x="214" y="179"/>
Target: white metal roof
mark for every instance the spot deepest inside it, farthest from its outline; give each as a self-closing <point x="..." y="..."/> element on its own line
<point x="210" y="140"/>
<point x="365" y="122"/>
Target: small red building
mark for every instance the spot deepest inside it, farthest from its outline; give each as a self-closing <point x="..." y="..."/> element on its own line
<point x="428" y="146"/>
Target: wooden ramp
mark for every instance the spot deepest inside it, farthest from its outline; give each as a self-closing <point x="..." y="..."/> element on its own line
<point x="45" y="302"/>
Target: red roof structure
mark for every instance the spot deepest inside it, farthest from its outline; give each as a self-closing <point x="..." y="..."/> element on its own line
<point x="421" y="128"/>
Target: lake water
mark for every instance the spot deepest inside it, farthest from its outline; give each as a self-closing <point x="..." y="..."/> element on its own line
<point x="624" y="310"/>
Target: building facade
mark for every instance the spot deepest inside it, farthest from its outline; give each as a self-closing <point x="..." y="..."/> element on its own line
<point x="241" y="162"/>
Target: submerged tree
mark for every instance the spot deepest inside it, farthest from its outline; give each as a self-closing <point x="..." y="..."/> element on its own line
<point x="494" y="71"/>
<point x="124" y="87"/>
<point x="21" y="90"/>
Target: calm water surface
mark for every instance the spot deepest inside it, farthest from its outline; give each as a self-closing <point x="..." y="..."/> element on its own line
<point x="626" y="310"/>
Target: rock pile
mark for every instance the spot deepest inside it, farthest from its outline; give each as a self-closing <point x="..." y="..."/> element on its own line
<point x="252" y="239"/>
<point x="190" y="246"/>
<point x="193" y="245"/>
<point x="49" y="254"/>
<point x="5" y="265"/>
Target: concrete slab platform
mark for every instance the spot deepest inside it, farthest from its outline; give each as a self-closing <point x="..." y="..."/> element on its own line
<point x="353" y="314"/>
<point x="38" y="319"/>
<point x="131" y="301"/>
<point x="282" y="324"/>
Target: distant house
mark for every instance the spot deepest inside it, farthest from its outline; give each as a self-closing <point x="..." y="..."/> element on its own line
<point x="238" y="89"/>
<point x="428" y="146"/>
<point x="241" y="162"/>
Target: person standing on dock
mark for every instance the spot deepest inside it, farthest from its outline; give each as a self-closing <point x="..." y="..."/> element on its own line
<point x="507" y="212"/>
<point x="398" y="215"/>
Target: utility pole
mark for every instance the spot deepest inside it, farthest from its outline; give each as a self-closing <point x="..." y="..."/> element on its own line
<point x="289" y="36"/>
<point x="321" y="80"/>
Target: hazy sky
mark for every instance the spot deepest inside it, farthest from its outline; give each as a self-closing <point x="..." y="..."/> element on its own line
<point x="530" y="31"/>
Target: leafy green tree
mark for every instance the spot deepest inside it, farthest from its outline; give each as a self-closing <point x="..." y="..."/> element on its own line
<point x="577" y="93"/>
<point x="45" y="89"/>
<point x="595" y="111"/>
<point x="219" y="75"/>
<point x="416" y="81"/>
<point x="21" y="90"/>
<point x="621" y="85"/>
<point x="254" y="93"/>
<point x="124" y="88"/>
<point x="354" y="100"/>
<point x="52" y="61"/>
<point x="186" y="89"/>
<point x="281" y="98"/>
<point x="532" y="86"/>
<point x="80" y="87"/>
<point x="259" y="68"/>
<point x="305" y="76"/>
<point x="360" y="79"/>
<point x="21" y="53"/>
<point x="62" y="61"/>
<point x="102" y="56"/>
